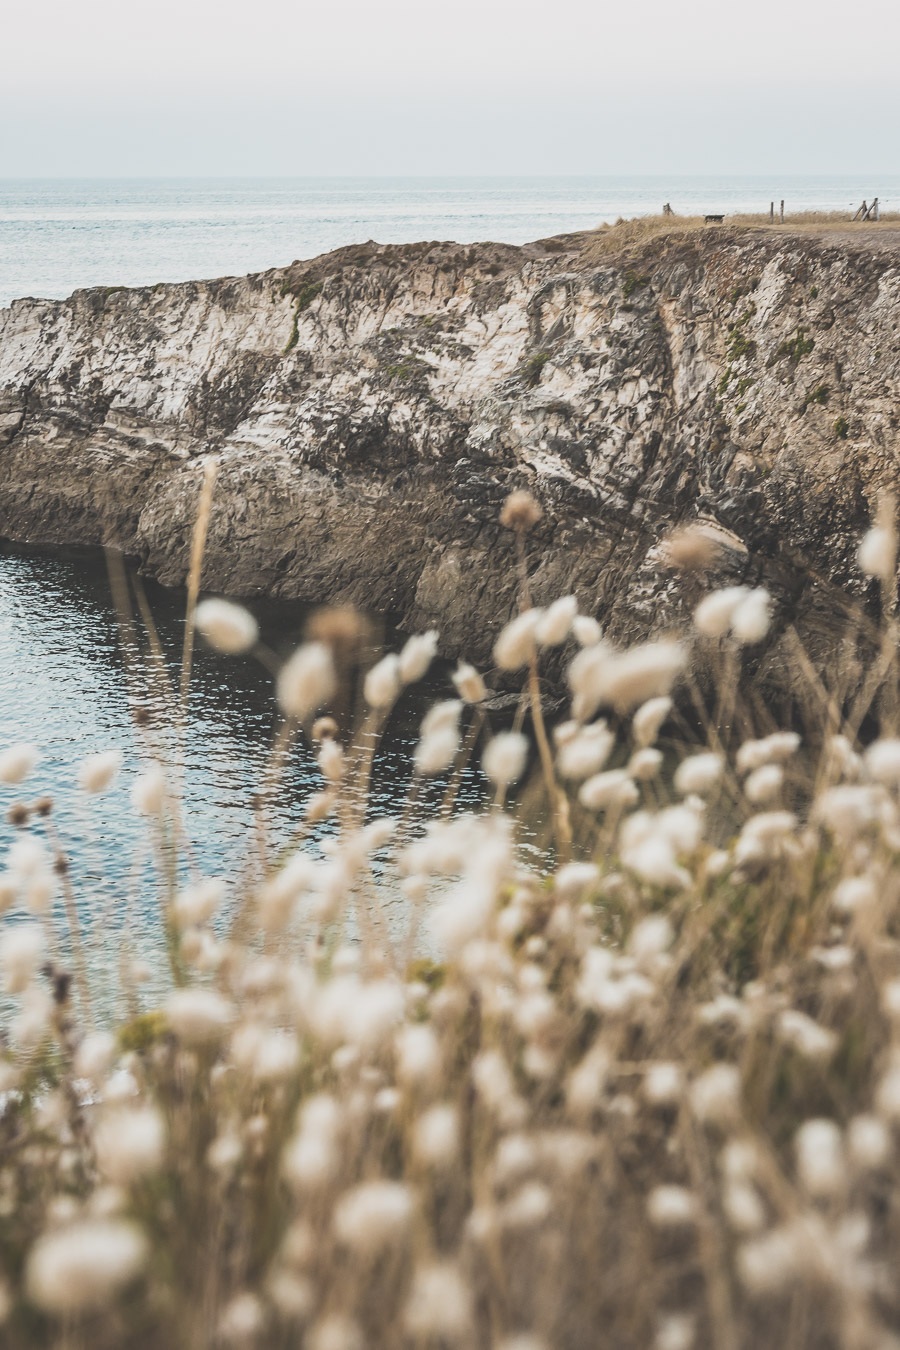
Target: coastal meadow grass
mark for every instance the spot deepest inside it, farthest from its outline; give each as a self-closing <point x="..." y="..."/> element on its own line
<point x="416" y="1087"/>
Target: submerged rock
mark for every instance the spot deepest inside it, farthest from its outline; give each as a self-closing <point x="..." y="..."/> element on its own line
<point x="372" y="408"/>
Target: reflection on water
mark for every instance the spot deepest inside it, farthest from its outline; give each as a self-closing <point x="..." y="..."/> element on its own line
<point x="63" y="686"/>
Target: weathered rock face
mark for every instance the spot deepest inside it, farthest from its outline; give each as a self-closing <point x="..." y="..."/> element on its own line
<point x="372" y="408"/>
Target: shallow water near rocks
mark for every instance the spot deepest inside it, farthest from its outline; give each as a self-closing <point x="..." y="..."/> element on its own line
<point x="63" y="687"/>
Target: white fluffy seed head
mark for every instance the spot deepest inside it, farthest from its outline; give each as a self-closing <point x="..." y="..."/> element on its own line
<point x="94" y="1056"/>
<point x="96" y="773"/>
<point x="82" y="1267"/>
<point x="149" y="791"/>
<point x="585" y="630"/>
<point x="418" y="1053"/>
<point x="228" y="627"/>
<point x="623" y="680"/>
<point x="764" y="784"/>
<point x="436" y="1136"/>
<point x="435" y="753"/>
<point x="698" y="774"/>
<point x="878" y="552"/>
<point x="198" y="1016"/>
<point x="555" y="622"/>
<point x="751" y="619"/>
<point x="586" y="752"/>
<point x="17" y="762"/>
<point x="716" y="1095"/>
<point x="440" y="1304"/>
<point x="604" y="791"/>
<point x="820" y="1157"/>
<point x="505" y="757"/>
<point x="664" y="1084"/>
<point x="869" y="1142"/>
<point x="129" y="1143"/>
<point x="671" y="1207"/>
<point x="373" y="1215"/>
<point x="649" y="718"/>
<point x="469" y="684"/>
<point x="306" y="681"/>
<point x="417" y="655"/>
<point x="198" y="903"/>
<point x="882" y="760"/>
<point x="713" y="615"/>
<point x="21" y="948"/>
<point x="516" y="643"/>
<point x="383" y="682"/>
<point x="336" y="1331"/>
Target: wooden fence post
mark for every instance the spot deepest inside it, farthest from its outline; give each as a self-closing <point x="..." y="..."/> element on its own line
<point x="782" y="210"/>
<point x="771" y="213"/>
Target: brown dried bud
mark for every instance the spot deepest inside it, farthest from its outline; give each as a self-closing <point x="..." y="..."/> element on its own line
<point x="324" y="728"/>
<point x="18" y="814"/>
<point x="341" y="627"/>
<point x="691" y="549"/>
<point x="520" y="511"/>
<point x="43" y="806"/>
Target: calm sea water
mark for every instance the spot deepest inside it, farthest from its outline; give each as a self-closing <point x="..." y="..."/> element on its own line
<point x="60" y="234"/>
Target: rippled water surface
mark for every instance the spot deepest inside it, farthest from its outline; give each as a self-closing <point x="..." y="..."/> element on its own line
<point x="60" y="234"/>
<point x="63" y="686"/>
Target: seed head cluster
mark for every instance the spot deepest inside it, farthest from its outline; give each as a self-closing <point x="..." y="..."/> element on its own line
<point x="442" y="1081"/>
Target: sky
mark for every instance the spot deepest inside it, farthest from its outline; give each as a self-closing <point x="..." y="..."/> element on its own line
<point x="172" y="87"/>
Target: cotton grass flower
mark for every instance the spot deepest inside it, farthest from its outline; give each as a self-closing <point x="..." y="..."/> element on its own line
<point x="435" y="753"/>
<point x="436" y="1136"/>
<point x="586" y="631"/>
<point x="764" y="784"/>
<point x="198" y="903"/>
<point x="877" y="553"/>
<point x="198" y="1016"/>
<point x="228" y="627"/>
<point x="307" y="681"/>
<point x="505" y="757"/>
<point x="417" y="655"/>
<point x="820" y="1158"/>
<point x="148" y="793"/>
<point x="671" y="1207"/>
<point x="21" y="948"/>
<point x="699" y="774"/>
<point x="516" y="643"/>
<point x="611" y="789"/>
<point x="751" y="619"/>
<point x="373" y="1215"/>
<point x="81" y="1268"/>
<point x="555" y="622"/>
<point x="96" y="773"/>
<point x="17" y="762"/>
<point x="882" y="761"/>
<point x="382" y="684"/>
<point x="469" y="684"/>
<point x="716" y="1095"/>
<point x="585" y="752"/>
<point x="439" y="1304"/>
<point x="129" y="1143"/>
<point x="648" y="721"/>
<point x="714" y="614"/>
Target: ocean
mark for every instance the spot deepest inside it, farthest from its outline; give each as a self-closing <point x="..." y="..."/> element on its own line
<point x="57" y="235"/>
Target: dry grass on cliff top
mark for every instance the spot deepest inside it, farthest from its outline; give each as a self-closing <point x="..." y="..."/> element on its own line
<point x="628" y="234"/>
<point x="643" y="1092"/>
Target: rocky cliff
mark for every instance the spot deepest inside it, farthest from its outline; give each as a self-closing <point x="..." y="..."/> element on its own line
<point x="371" y="408"/>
